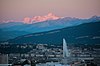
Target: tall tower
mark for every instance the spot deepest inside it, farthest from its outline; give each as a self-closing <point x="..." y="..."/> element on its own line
<point x="65" y="49"/>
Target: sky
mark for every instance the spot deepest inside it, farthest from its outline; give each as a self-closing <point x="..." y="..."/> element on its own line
<point x="18" y="9"/>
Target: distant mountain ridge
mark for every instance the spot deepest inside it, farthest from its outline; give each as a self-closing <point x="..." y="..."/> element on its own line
<point x="5" y="35"/>
<point x="49" y="16"/>
<point x="88" y="33"/>
<point x="46" y="25"/>
<point x="23" y="28"/>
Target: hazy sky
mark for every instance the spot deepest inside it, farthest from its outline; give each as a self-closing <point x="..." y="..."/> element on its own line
<point x="18" y="9"/>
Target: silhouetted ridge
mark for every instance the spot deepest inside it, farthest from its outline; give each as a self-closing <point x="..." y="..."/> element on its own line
<point x="88" y="33"/>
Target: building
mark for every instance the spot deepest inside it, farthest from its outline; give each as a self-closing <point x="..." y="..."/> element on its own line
<point x="64" y="60"/>
<point x="3" y="58"/>
<point x="50" y="64"/>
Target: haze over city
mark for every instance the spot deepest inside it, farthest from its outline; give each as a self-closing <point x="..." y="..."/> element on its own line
<point x="17" y="10"/>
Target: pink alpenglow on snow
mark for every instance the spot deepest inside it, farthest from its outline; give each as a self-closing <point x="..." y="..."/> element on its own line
<point x="18" y="9"/>
<point x="35" y="19"/>
<point x="27" y="20"/>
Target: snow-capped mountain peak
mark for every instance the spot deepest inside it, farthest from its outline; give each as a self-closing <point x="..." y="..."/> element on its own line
<point x="49" y="16"/>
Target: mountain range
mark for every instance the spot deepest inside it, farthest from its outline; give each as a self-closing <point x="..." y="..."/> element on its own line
<point x="88" y="33"/>
<point x="12" y="30"/>
<point x="49" y="16"/>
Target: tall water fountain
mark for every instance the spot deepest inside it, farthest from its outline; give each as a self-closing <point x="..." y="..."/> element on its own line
<point x="66" y="54"/>
<point x="65" y="49"/>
